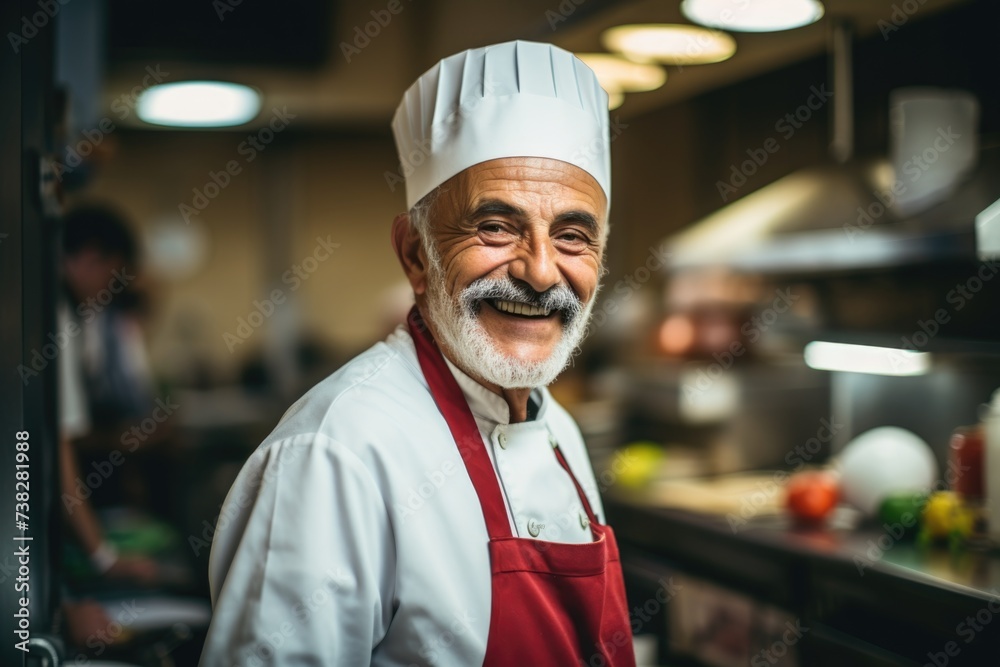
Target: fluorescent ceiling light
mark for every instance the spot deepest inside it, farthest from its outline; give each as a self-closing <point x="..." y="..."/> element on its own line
<point x="671" y="44"/>
<point x="619" y="75"/>
<point x="753" y="15"/>
<point x="198" y="104"/>
<point x="865" y="359"/>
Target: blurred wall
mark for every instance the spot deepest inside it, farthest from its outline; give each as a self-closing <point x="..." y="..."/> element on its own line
<point x="308" y="183"/>
<point x="257" y="230"/>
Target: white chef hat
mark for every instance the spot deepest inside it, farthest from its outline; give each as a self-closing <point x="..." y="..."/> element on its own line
<point x="516" y="99"/>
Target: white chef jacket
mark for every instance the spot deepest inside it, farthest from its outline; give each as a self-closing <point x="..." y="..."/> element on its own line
<point x="74" y="417"/>
<point x="353" y="534"/>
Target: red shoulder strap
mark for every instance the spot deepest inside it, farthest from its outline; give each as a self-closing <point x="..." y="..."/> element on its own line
<point x="455" y="409"/>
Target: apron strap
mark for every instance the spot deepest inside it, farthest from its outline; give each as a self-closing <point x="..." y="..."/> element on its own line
<point x="579" y="489"/>
<point x="455" y="409"/>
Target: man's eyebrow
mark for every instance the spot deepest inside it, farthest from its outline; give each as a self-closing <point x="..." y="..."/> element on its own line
<point x="499" y="207"/>
<point x="588" y="220"/>
<point x="495" y="207"/>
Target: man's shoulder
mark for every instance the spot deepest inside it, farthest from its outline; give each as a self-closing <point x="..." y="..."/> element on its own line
<point x="374" y="383"/>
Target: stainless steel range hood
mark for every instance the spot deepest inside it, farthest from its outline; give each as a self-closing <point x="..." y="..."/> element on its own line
<point x="841" y="215"/>
<point x="828" y="218"/>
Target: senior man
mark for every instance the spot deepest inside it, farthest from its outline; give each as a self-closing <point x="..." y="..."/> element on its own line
<point x="430" y="503"/>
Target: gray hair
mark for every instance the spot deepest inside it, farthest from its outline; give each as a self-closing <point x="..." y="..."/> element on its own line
<point x="420" y="216"/>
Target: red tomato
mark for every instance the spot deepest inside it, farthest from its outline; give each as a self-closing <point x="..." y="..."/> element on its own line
<point x="812" y="495"/>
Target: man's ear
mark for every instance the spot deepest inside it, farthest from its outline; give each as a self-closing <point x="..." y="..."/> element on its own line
<point x="409" y="250"/>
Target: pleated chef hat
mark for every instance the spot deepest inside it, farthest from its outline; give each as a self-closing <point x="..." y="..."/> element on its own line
<point x="516" y="99"/>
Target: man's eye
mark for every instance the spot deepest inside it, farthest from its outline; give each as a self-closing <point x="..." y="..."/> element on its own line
<point x="491" y="227"/>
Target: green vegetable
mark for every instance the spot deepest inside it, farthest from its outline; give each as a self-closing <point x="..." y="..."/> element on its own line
<point x="902" y="509"/>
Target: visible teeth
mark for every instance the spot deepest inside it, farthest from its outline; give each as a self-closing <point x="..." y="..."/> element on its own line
<point x="520" y="308"/>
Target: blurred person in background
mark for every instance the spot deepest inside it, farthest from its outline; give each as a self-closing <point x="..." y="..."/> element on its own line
<point x="103" y="374"/>
<point x="104" y="382"/>
<point x="430" y="502"/>
<point x="100" y="272"/>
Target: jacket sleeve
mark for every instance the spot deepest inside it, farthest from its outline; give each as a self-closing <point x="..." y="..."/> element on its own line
<point x="302" y="562"/>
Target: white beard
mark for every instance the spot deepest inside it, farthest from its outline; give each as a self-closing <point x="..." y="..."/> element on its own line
<point x="476" y="351"/>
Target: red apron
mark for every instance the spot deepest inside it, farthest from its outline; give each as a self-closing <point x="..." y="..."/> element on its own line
<point x="554" y="604"/>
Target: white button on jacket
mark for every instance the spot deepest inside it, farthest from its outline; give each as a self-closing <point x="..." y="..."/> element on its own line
<point x="353" y="534"/>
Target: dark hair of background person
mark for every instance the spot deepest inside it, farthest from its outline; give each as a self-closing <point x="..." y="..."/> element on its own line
<point x="103" y="228"/>
<point x="99" y="226"/>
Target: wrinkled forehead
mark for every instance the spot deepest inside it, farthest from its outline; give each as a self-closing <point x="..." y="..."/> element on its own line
<point x="531" y="185"/>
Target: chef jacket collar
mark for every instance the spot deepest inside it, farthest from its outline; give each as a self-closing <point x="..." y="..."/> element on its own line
<point x="485" y="404"/>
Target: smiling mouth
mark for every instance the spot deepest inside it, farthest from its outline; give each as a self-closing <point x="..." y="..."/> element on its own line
<point x="519" y="309"/>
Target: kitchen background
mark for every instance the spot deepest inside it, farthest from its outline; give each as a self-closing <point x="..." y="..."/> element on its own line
<point x="801" y="248"/>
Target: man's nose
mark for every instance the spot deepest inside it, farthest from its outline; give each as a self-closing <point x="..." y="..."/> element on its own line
<point x="536" y="265"/>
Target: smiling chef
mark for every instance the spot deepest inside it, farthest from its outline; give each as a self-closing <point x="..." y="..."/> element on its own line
<point x="430" y="503"/>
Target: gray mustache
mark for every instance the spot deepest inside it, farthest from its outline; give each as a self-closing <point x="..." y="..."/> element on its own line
<point x="560" y="297"/>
